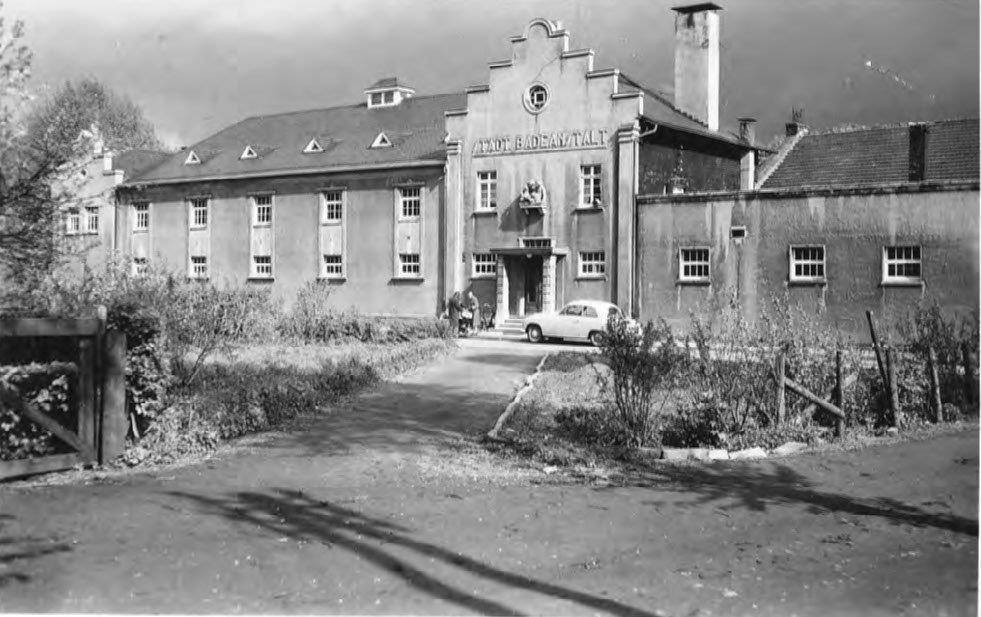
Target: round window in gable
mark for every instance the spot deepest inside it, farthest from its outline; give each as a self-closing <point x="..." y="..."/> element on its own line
<point x="536" y="98"/>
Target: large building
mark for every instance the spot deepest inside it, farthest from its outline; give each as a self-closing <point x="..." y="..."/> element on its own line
<point x="522" y="188"/>
<point x="557" y="180"/>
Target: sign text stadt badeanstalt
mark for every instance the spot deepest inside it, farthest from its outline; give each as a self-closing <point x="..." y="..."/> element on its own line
<point x="537" y="142"/>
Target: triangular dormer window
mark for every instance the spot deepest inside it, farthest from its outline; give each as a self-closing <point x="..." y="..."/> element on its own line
<point x="192" y="159"/>
<point x="249" y="153"/>
<point x="313" y="147"/>
<point x="382" y="141"/>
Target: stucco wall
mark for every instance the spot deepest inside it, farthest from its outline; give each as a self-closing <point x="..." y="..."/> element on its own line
<point x="853" y="228"/>
<point x="370" y="235"/>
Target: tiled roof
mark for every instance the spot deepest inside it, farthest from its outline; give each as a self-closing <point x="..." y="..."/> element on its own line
<point x="132" y="162"/>
<point x="879" y="155"/>
<point x="386" y="82"/>
<point x="415" y="127"/>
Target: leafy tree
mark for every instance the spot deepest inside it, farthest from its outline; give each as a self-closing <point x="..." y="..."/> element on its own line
<point x="39" y="179"/>
<point x="76" y="107"/>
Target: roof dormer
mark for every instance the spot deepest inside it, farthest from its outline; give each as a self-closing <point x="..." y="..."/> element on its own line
<point x="387" y="92"/>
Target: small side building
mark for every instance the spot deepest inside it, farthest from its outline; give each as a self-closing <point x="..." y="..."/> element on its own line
<point x="840" y="221"/>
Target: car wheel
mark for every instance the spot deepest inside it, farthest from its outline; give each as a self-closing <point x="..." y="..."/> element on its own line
<point x="597" y="338"/>
<point x="534" y="334"/>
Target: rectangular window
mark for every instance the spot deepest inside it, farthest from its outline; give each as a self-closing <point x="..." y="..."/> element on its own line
<point x="693" y="264"/>
<point x="410" y="202"/>
<point x="389" y="98"/>
<point x="807" y="263"/>
<point x="262" y="266"/>
<point x="409" y="264"/>
<point x="592" y="263"/>
<point x="487" y="190"/>
<point x="199" y="212"/>
<point x="376" y="98"/>
<point x="484" y="265"/>
<point x="332" y="266"/>
<point x="73" y="222"/>
<point x="261" y="210"/>
<point x="902" y="264"/>
<point x="332" y="206"/>
<point x="139" y="266"/>
<point x="92" y="219"/>
<point x="199" y="267"/>
<point x="141" y="217"/>
<point x="592" y="186"/>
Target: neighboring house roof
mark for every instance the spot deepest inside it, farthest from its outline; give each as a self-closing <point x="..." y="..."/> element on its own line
<point x="135" y="161"/>
<point x="386" y="83"/>
<point x="415" y="128"/>
<point x="879" y="155"/>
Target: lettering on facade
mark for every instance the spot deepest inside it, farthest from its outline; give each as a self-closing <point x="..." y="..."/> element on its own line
<point x="538" y="142"/>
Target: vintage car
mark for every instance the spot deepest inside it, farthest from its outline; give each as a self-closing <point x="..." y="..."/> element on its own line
<point x="582" y="320"/>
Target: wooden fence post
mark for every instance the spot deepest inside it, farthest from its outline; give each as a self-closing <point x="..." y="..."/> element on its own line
<point x="938" y="408"/>
<point x="114" y="424"/>
<point x="893" y="387"/>
<point x="781" y="388"/>
<point x="85" y="395"/>
<point x="838" y="397"/>
<point x="877" y="348"/>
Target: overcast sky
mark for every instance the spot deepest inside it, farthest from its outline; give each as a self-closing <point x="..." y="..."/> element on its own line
<point x="197" y="66"/>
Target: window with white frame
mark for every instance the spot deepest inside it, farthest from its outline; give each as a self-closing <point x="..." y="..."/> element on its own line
<point x="693" y="263"/>
<point x="484" y="265"/>
<point x="409" y="265"/>
<point x="261" y="210"/>
<point x="332" y="266"/>
<point x="332" y="206"/>
<point x="410" y="202"/>
<point x="92" y="219"/>
<point x="199" y="267"/>
<point x="199" y="212"/>
<point x="376" y="98"/>
<point x="591" y="177"/>
<point x="73" y="222"/>
<point x="592" y="263"/>
<point x="902" y="264"/>
<point x="141" y="217"/>
<point x="487" y="190"/>
<point x="262" y="266"/>
<point x="807" y="263"/>
<point x="139" y="266"/>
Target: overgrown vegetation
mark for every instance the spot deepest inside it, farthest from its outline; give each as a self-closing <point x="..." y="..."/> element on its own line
<point x="716" y="387"/>
<point x="206" y="364"/>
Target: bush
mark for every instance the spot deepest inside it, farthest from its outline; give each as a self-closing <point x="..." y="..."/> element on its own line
<point x="642" y="363"/>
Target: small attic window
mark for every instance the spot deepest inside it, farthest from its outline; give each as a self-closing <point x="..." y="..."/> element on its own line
<point x="249" y="153"/>
<point x="192" y="159"/>
<point x="313" y="147"/>
<point x="381" y="141"/>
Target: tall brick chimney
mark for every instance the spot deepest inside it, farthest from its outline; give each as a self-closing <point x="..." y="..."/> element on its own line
<point x="696" y="61"/>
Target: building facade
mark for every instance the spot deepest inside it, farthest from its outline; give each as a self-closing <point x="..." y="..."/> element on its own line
<point x="558" y="179"/>
<point x="522" y="189"/>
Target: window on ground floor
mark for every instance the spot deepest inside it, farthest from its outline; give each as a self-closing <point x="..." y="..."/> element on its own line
<point x="592" y="263"/>
<point x="73" y="222"/>
<point x="332" y="266"/>
<point x="409" y="264"/>
<point x="902" y="264"/>
<point x="262" y="266"/>
<point x="693" y="264"/>
<point x="807" y="263"/>
<point x="199" y="267"/>
<point x="484" y="265"/>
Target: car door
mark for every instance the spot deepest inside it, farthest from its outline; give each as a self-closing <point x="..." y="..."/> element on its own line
<point x="588" y="322"/>
<point x="566" y="323"/>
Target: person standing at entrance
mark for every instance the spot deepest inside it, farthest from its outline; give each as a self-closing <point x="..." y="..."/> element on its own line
<point x="455" y="308"/>
<point x="474" y="304"/>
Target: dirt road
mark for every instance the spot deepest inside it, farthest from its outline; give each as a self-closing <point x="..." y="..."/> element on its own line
<point x="383" y="508"/>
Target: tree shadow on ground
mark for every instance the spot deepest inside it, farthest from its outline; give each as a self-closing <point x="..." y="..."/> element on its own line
<point x="757" y="486"/>
<point x="290" y="513"/>
<point x="15" y="551"/>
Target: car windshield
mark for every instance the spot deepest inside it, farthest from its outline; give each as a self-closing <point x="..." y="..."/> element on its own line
<point x="572" y="309"/>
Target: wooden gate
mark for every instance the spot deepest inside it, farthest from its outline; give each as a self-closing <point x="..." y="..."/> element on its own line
<point x="100" y="395"/>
